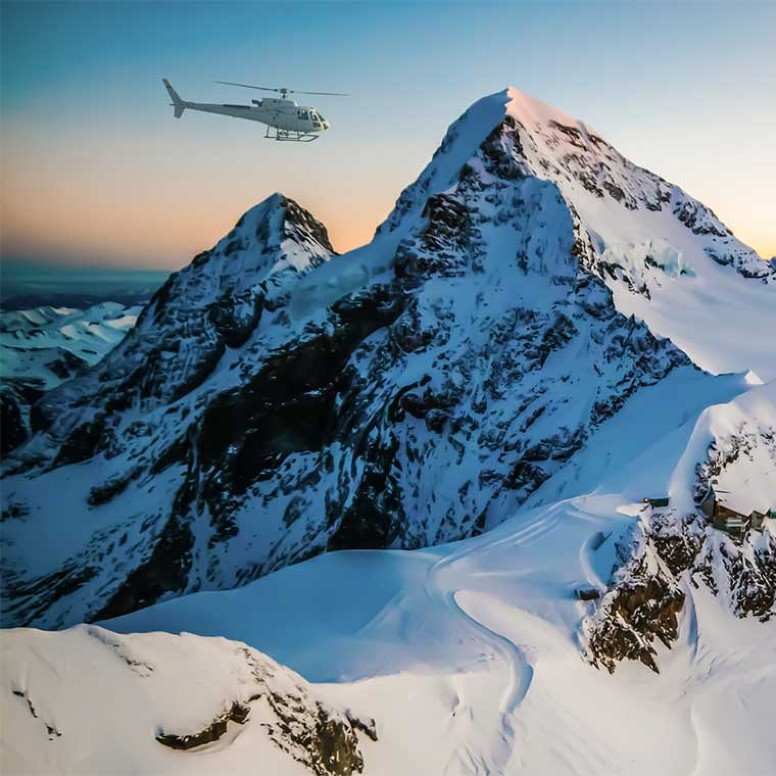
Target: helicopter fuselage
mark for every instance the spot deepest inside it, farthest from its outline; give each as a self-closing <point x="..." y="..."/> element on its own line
<point x="281" y="114"/>
<point x="289" y="120"/>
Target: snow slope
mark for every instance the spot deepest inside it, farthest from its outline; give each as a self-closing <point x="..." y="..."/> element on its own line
<point x="136" y="692"/>
<point x="469" y="656"/>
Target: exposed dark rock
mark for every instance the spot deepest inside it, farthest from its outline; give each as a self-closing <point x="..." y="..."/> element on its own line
<point x="12" y="427"/>
<point x="367" y="727"/>
<point x="752" y="577"/>
<point x="288" y="406"/>
<point x="165" y="570"/>
<point x="83" y="442"/>
<point x="67" y="364"/>
<point x="698" y="219"/>
<point x="51" y="730"/>
<point x="108" y="490"/>
<point x="639" y="612"/>
<point x="43" y="591"/>
<point x="372" y="518"/>
<point x="644" y="603"/>
<point x="236" y="318"/>
<point x="237" y="713"/>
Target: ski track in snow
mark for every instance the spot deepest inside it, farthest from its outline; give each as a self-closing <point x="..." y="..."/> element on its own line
<point x="444" y="593"/>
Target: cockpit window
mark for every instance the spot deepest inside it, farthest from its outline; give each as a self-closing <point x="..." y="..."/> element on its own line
<point x="302" y="114"/>
<point x="320" y="118"/>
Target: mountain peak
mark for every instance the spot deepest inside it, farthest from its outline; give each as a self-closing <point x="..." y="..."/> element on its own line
<point x="279" y="223"/>
<point x="622" y="211"/>
<point x="213" y="304"/>
<point x="531" y="111"/>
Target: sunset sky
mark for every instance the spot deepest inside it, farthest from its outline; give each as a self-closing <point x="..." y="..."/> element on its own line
<point x="96" y="171"/>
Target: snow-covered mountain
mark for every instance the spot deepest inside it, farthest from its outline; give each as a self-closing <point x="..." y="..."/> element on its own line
<point x="650" y="241"/>
<point x="540" y="336"/>
<point x="275" y="401"/>
<point x="44" y="346"/>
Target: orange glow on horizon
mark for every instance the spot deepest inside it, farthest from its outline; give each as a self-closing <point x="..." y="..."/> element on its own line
<point x="78" y="226"/>
<point x="79" y="200"/>
<point x="125" y="234"/>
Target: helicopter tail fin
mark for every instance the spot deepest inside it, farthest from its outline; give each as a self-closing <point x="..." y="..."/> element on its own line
<point x="177" y="102"/>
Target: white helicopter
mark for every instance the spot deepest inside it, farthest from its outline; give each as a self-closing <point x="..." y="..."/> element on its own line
<point x="285" y="119"/>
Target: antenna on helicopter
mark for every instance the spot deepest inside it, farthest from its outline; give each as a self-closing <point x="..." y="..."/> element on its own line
<point x="284" y="91"/>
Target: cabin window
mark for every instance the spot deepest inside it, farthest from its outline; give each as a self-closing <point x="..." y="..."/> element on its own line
<point x="302" y="114"/>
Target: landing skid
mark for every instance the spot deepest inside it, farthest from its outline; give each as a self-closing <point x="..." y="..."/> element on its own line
<point x="289" y="135"/>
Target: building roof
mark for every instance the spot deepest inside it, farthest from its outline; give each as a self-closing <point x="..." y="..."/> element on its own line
<point x="747" y="501"/>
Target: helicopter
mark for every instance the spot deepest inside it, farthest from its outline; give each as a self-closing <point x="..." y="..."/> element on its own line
<point x="285" y="119"/>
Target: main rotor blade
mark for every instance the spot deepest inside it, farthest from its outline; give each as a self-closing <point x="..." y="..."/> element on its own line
<point x="330" y="94"/>
<point x="248" y="86"/>
<point x="283" y="89"/>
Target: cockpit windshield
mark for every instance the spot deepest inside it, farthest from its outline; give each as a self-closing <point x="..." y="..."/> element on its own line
<point x="320" y="118"/>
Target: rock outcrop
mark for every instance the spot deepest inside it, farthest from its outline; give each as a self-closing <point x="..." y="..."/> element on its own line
<point x="676" y="550"/>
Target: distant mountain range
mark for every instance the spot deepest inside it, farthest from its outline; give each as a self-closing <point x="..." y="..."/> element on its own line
<point x="44" y="346"/>
<point x="30" y="284"/>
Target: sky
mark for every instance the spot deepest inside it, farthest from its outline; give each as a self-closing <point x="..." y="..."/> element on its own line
<point x="97" y="172"/>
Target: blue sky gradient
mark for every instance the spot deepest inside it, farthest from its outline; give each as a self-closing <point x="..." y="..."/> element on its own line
<point x="97" y="171"/>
